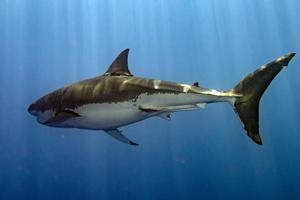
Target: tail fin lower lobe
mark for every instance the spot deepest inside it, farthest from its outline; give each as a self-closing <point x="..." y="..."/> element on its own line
<point x="251" y="89"/>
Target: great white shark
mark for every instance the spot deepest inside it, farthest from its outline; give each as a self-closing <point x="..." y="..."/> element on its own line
<point x="117" y="98"/>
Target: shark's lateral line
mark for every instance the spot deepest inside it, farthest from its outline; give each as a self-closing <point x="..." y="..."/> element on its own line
<point x="117" y="98"/>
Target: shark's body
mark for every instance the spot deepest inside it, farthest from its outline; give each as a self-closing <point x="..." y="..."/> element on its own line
<point x="117" y="98"/>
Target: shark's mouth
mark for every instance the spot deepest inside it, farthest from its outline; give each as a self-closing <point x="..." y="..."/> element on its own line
<point x="43" y="117"/>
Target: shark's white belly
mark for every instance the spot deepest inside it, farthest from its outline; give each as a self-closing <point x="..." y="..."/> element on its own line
<point x="105" y="116"/>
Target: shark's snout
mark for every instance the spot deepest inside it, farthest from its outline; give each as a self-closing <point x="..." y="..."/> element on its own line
<point x="37" y="109"/>
<point x="32" y="109"/>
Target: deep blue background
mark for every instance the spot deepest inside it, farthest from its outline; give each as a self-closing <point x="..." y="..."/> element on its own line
<point x="45" y="44"/>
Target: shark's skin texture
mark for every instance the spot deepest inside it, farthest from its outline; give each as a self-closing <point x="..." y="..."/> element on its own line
<point x="117" y="98"/>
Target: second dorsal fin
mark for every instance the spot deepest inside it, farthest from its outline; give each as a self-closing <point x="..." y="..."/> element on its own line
<point x="196" y="84"/>
<point x="119" y="65"/>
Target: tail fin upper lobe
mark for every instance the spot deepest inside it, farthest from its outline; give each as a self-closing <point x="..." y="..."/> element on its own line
<point x="251" y="88"/>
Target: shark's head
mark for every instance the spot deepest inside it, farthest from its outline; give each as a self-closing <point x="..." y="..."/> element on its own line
<point x="40" y="110"/>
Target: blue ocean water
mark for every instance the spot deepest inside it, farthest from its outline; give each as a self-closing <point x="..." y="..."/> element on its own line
<point x="46" y="44"/>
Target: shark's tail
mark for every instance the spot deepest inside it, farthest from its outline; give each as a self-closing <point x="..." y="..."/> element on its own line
<point x="250" y="89"/>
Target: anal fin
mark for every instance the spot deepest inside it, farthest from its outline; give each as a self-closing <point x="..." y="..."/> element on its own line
<point x="165" y="115"/>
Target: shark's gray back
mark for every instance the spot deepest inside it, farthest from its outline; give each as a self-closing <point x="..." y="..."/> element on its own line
<point x="106" y="89"/>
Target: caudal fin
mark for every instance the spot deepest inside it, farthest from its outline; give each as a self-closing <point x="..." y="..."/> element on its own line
<point x="251" y="88"/>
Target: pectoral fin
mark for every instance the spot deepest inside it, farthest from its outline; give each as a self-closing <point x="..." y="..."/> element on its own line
<point x="62" y="116"/>
<point x="117" y="134"/>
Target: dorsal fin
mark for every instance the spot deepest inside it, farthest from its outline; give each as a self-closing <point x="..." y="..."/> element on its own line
<point x="196" y="84"/>
<point x="119" y="65"/>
